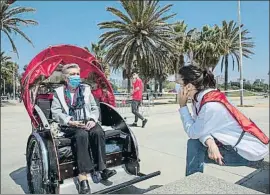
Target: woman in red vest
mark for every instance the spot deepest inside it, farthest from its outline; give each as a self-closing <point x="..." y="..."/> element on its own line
<point x="217" y="127"/>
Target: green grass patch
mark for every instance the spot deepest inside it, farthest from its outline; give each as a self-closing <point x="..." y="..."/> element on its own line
<point x="237" y="94"/>
<point x="245" y="106"/>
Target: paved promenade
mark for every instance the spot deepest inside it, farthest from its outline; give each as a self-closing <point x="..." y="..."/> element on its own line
<point x="162" y="147"/>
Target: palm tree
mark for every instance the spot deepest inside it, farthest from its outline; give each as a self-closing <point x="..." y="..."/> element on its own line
<point x="135" y="39"/>
<point x="179" y="28"/>
<point x="6" y="65"/>
<point x="4" y="58"/>
<point x="8" y="69"/>
<point x="25" y="67"/>
<point x="230" y="46"/>
<point x="185" y="41"/>
<point x="10" y="21"/>
<point x="98" y="50"/>
<point x="100" y="53"/>
<point x="206" y="48"/>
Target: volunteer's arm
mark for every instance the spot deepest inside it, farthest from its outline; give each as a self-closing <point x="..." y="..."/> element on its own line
<point x="206" y="122"/>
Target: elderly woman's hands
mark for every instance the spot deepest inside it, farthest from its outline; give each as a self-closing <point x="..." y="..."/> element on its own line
<point x="89" y="125"/>
<point x="75" y="124"/>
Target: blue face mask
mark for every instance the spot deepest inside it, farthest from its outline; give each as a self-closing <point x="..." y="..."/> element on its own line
<point x="74" y="81"/>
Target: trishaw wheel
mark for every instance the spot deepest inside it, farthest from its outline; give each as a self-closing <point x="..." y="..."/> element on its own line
<point x="33" y="128"/>
<point x="35" y="169"/>
<point x="132" y="167"/>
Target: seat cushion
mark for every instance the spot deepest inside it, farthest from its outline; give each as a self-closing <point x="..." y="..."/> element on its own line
<point x="65" y="149"/>
<point x="64" y="141"/>
<point x="44" y="101"/>
<point x="113" y="133"/>
<point x="65" y="154"/>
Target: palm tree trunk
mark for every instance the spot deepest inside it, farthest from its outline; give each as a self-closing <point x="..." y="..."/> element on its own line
<point x="226" y="73"/>
<point x="160" y="85"/>
<point x="145" y="81"/>
<point x="176" y="66"/>
<point x="156" y="85"/>
<point x="181" y="61"/>
<point x="128" y="85"/>
<point x="107" y="71"/>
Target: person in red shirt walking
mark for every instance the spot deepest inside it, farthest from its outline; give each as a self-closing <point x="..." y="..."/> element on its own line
<point x="137" y="94"/>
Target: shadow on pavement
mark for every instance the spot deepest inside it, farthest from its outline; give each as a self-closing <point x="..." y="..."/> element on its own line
<point x="134" y="190"/>
<point x="20" y="178"/>
<point x="257" y="180"/>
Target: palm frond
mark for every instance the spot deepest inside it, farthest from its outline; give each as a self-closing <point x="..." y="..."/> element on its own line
<point x="10" y="22"/>
<point x="17" y="30"/>
<point x="11" y="41"/>
<point x="119" y="14"/>
<point x="136" y="37"/>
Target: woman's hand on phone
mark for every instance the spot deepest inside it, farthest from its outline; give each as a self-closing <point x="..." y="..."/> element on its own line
<point x="183" y="97"/>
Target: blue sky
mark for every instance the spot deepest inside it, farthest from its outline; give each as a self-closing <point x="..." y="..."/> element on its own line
<point x="75" y="22"/>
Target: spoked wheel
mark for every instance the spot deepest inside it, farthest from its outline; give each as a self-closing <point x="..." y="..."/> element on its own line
<point x="35" y="168"/>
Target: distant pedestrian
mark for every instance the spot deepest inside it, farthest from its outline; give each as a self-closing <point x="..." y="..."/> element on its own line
<point x="137" y="95"/>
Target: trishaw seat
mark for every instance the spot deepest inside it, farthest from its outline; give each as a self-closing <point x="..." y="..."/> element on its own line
<point x="66" y="141"/>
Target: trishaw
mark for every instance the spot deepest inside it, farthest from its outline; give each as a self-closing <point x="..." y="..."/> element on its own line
<point x="51" y="166"/>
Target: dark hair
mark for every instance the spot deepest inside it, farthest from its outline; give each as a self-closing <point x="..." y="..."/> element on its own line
<point x="201" y="78"/>
<point x="135" y="71"/>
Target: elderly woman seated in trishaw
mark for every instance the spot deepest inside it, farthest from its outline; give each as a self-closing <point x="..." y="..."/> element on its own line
<point x="82" y="124"/>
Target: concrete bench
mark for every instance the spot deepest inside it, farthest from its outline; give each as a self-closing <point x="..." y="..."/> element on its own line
<point x="199" y="183"/>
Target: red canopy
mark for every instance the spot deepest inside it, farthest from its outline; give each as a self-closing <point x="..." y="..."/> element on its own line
<point x="57" y="50"/>
<point x="45" y="63"/>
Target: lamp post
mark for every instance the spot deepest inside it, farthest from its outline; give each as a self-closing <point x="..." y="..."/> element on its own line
<point x="240" y="60"/>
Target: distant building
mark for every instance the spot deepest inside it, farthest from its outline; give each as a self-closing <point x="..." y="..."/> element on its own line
<point x="220" y="79"/>
<point x="248" y="82"/>
<point x="238" y="80"/>
<point x="116" y="77"/>
<point x="261" y="81"/>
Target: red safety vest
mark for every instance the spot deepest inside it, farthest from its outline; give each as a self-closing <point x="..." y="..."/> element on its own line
<point x="246" y="124"/>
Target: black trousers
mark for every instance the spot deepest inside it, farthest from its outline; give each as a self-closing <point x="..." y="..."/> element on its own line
<point x="135" y="110"/>
<point x="89" y="148"/>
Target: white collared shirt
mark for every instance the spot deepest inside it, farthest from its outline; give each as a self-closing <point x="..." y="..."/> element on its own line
<point x="214" y="120"/>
